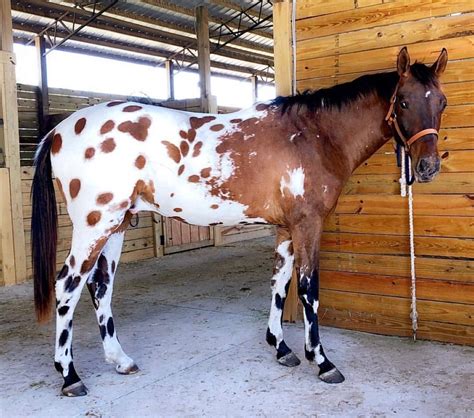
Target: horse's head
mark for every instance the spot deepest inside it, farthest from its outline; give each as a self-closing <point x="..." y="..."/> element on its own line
<point x="416" y="109"/>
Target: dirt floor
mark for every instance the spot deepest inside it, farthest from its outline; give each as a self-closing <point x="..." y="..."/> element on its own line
<point x="195" y="323"/>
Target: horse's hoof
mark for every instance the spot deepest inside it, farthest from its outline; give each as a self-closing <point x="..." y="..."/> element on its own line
<point x="76" y="389"/>
<point x="127" y="370"/>
<point x="289" y="360"/>
<point x="332" y="376"/>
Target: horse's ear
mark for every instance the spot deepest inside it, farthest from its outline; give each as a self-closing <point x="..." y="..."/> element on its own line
<point x="403" y="62"/>
<point x="440" y="65"/>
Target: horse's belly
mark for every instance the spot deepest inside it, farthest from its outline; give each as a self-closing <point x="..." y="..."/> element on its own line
<point x="195" y="204"/>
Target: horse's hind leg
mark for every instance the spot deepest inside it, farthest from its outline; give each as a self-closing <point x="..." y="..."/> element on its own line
<point x="86" y="245"/>
<point x="100" y="285"/>
<point x="282" y="269"/>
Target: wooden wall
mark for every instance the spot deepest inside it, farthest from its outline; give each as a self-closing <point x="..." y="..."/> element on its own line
<point x="365" y="258"/>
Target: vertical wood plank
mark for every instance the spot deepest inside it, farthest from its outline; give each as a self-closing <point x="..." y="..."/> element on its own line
<point x="12" y="245"/>
<point x="283" y="83"/>
<point x="282" y="47"/>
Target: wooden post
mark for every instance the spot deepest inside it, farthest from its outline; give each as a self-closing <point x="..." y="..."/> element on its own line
<point x="282" y="49"/>
<point x="12" y="238"/>
<point x="283" y="82"/>
<point x="204" y="60"/>
<point x="254" y="82"/>
<point x="169" y="67"/>
<point x="158" y="235"/>
<point x="43" y="93"/>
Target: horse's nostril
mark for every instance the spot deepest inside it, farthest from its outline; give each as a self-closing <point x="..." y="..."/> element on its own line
<point x="423" y="165"/>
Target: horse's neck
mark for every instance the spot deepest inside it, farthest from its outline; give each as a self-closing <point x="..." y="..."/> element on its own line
<point x="362" y="130"/>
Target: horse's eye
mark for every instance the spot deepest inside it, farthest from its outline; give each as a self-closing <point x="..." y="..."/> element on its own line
<point x="403" y="104"/>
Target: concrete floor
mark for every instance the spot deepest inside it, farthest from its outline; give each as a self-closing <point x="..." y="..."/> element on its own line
<point x="195" y="324"/>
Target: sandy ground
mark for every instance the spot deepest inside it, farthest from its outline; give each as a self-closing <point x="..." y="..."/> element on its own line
<point x="195" y="323"/>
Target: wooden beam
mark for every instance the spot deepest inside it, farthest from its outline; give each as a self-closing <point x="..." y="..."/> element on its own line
<point x="12" y="239"/>
<point x="169" y="79"/>
<point x="254" y="82"/>
<point x="283" y="83"/>
<point x="43" y="94"/>
<point x="282" y="47"/>
<point x="204" y="61"/>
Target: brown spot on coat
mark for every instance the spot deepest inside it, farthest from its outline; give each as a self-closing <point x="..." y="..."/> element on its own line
<point x="178" y="209"/>
<point x="107" y="127"/>
<point x="72" y="261"/>
<point x="139" y="130"/>
<point x="206" y="172"/>
<point x="191" y="135"/>
<point x="173" y="151"/>
<point x="193" y="178"/>
<point x="197" y="149"/>
<point x="108" y="145"/>
<point x="79" y="126"/>
<point x="90" y="261"/>
<point x="184" y="147"/>
<point x="140" y="162"/>
<point x="237" y="120"/>
<point x="180" y="169"/>
<point x="93" y="217"/>
<point x="104" y="198"/>
<point x="172" y="194"/>
<point x="89" y="153"/>
<point x="183" y="134"/>
<point x="145" y="191"/>
<point x="196" y="122"/>
<point x="57" y="143"/>
<point x="217" y="127"/>
<point x="74" y="187"/>
<point x="131" y="108"/>
<point x="214" y="206"/>
<point x="262" y="106"/>
<point x="115" y="103"/>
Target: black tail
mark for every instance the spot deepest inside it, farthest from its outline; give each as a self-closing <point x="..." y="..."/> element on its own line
<point x="44" y="225"/>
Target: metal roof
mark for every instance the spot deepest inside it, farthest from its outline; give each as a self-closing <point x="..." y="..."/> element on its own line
<point x="152" y="31"/>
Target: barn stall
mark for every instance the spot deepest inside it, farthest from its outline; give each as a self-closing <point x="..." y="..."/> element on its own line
<point x="365" y="277"/>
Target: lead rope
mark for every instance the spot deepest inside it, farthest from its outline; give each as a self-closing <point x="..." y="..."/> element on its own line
<point x="406" y="173"/>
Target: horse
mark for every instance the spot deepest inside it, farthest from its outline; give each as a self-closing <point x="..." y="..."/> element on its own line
<point x="282" y="162"/>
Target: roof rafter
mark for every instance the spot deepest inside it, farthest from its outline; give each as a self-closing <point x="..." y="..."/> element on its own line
<point x="168" y="5"/>
<point x="53" y="10"/>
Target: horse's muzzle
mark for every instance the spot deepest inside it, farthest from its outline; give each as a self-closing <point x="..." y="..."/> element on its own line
<point x="427" y="169"/>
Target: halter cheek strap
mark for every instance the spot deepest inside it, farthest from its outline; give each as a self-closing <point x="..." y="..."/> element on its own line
<point x="391" y="118"/>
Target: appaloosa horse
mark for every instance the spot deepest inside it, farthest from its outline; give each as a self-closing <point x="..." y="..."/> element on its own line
<point x="283" y="163"/>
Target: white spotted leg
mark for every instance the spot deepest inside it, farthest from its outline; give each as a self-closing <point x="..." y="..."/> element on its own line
<point x="86" y="244"/>
<point x="282" y="269"/>
<point x="100" y="285"/>
<point x="306" y="238"/>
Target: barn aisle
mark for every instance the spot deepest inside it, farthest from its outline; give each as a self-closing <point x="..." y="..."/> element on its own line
<point x="195" y="323"/>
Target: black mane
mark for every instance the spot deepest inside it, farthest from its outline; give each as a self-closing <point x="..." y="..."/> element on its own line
<point x="382" y="84"/>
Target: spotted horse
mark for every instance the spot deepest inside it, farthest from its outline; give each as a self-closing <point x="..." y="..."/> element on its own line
<point x="282" y="162"/>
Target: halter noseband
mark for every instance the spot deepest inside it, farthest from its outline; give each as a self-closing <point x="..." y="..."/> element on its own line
<point x="391" y="118"/>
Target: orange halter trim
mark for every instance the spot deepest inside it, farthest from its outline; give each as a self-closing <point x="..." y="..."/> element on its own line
<point x="391" y="119"/>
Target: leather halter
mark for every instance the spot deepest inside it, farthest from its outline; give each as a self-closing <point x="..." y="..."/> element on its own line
<point x="391" y="118"/>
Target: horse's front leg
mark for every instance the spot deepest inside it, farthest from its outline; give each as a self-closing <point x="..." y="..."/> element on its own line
<point x="306" y="241"/>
